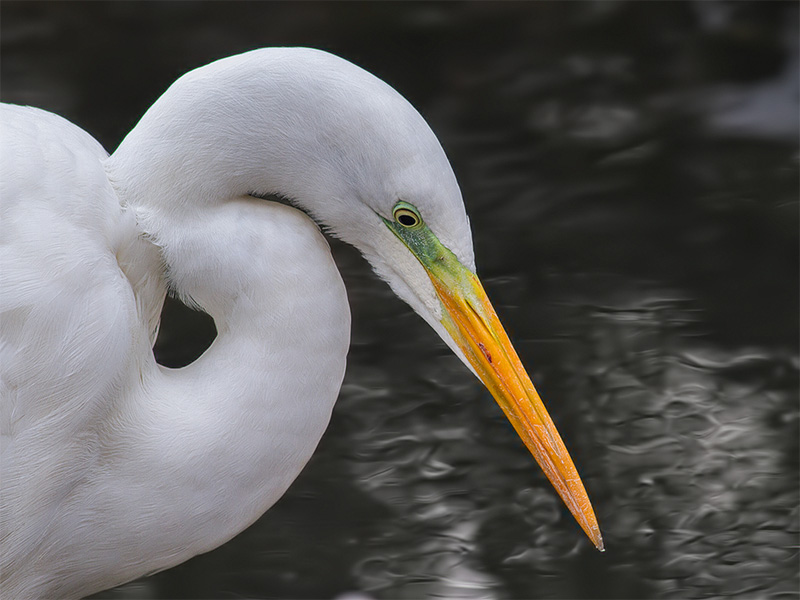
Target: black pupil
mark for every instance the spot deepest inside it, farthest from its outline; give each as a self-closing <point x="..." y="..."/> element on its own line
<point x="407" y="220"/>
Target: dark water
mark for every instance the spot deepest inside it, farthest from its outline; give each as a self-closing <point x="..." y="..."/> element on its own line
<point x="631" y="171"/>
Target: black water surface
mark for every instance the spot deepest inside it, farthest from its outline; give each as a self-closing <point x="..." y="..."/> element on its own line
<point x="631" y="172"/>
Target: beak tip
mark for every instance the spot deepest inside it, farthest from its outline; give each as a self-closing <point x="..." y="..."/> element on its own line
<point x="592" y="531"/>
<point x="599" y="544"/>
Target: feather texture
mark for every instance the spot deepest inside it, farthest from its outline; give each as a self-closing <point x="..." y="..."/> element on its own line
<point x="112" y="466"/>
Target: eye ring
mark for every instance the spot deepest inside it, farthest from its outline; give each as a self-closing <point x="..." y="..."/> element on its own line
<point x="406" y="215"/>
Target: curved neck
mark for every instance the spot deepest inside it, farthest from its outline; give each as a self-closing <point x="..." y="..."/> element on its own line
<point x="265" y="388"/>
<point x="299" y="123"/>
<point x="248" y="124"/>
<point x="219" y="441"/>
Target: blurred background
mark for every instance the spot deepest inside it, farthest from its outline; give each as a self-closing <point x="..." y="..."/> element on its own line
<point x="631" y="172"/>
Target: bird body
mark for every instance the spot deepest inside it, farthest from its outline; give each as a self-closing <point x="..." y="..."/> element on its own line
<point x="113" y="466"/>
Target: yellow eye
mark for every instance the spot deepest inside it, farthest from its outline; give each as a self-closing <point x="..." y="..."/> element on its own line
<point x="406" y="214"/>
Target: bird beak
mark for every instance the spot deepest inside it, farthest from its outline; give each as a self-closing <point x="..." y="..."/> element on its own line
<point x="471" y="321"/>
<point x="473" y="324"/>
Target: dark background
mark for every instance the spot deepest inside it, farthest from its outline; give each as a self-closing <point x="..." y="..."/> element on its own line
<point x="631" y="172"/>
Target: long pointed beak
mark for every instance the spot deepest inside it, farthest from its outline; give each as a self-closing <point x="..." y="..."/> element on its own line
<point x="471" y="321"/>
<point x="473" y="324"/>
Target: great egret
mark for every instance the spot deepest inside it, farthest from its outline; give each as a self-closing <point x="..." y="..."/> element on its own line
<point x="113" y="466"/>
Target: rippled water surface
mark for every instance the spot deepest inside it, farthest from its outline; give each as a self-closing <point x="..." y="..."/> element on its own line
<point x="631" y="172"/>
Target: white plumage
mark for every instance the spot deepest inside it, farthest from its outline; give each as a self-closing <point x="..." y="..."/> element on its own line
<point x="113" y="466"/>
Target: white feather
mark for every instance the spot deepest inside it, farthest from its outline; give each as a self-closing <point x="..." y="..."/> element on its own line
<point x="112" y="466"/>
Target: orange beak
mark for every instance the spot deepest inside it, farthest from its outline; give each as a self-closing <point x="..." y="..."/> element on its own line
<point x="473" y="324"/>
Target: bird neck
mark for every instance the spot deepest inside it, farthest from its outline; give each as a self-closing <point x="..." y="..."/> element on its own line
<point x="264" y="272"/>
<point x="232" y="430"/>
<point x="272" y="375"/>
<point x="301" y="124"/>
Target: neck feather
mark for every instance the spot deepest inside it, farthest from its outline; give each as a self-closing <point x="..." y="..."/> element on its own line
<point x="231" y="431"/>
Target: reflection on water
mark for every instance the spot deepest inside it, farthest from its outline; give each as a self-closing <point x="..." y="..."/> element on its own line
<point x="696" y="441"/>
<point x="631" y="174"/>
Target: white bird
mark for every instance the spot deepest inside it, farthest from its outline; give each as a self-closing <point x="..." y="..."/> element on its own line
<point x="114" y="467"/>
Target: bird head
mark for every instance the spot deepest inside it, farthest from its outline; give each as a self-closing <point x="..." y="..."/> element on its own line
<point x="390" y="191"/>
<point x="350" y="151"/>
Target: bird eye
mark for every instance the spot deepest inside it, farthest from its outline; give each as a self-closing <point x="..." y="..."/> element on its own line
<point x="406" y="214"/>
